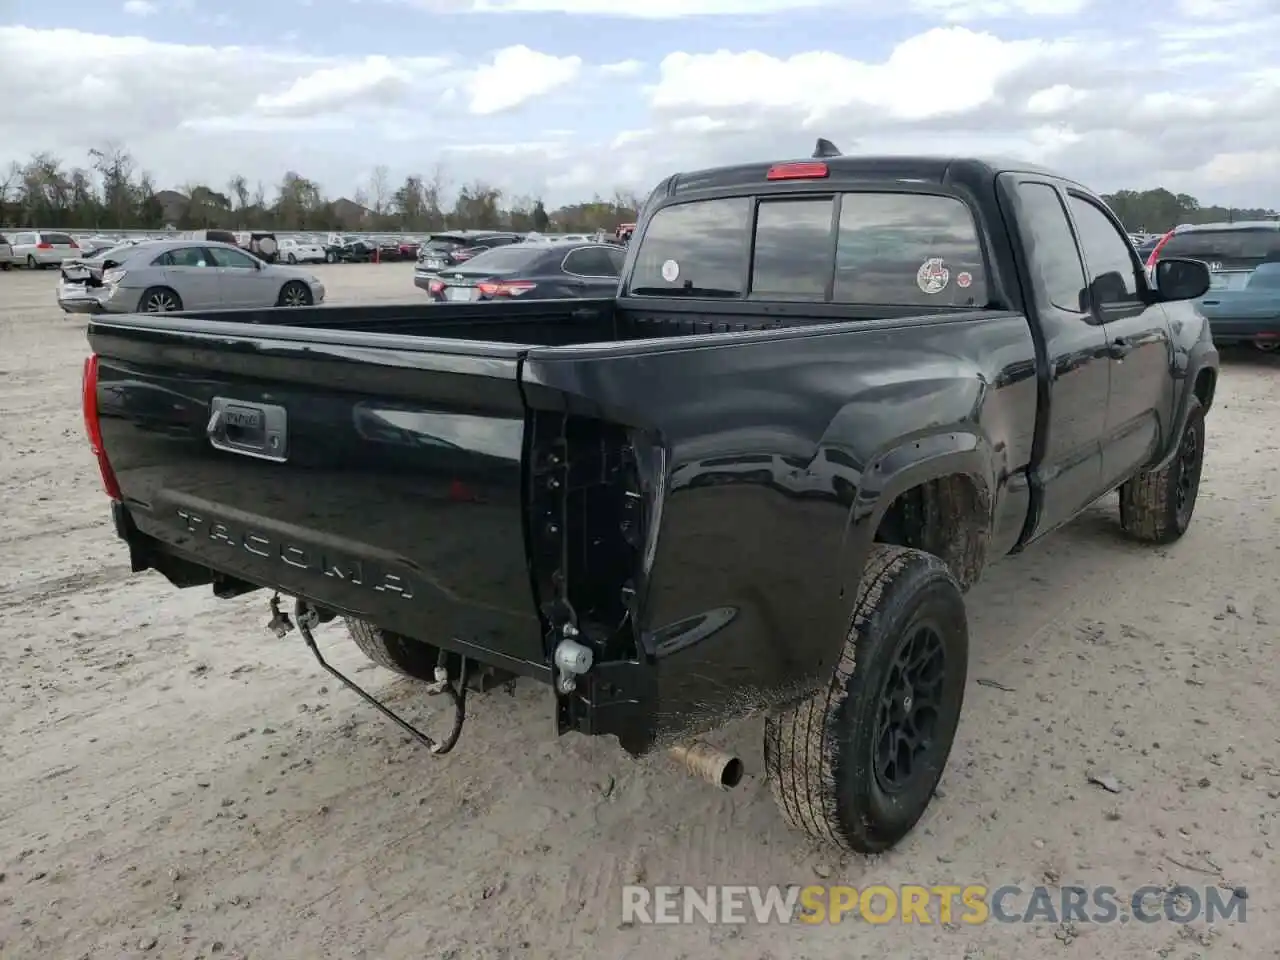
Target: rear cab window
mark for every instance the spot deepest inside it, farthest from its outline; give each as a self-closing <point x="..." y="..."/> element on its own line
<point x="875" y="248"/>
<point x="1233" y="254"/>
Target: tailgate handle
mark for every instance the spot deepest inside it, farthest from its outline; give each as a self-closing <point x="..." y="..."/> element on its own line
<point x="257" y="430"/>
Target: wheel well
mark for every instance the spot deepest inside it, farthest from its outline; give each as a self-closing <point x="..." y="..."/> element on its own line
<point x="946" y="517"/>
<point x="1206" y="383"/>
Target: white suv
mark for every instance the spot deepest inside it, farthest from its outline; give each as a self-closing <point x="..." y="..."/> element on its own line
<point x="42" y="248"/>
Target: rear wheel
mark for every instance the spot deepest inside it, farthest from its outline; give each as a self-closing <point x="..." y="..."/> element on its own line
<point x="295" y="293"/>
<point x="293" y="260"/>
<point x="858" y="762"/>
<point x="1157" y="507"/>
<point x="31" y="262"/>
<point x="159" y="300"/>
<point x="330" y="257"/>
<point x="407" y="657"/>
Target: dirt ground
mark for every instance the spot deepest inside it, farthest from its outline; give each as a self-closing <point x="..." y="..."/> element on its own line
<point x="176" y="782"/>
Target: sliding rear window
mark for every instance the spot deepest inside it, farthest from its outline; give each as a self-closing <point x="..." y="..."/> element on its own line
<point x="876" y="248"/>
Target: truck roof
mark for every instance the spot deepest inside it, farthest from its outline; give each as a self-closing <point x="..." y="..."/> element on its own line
<point x="887" y="167"/>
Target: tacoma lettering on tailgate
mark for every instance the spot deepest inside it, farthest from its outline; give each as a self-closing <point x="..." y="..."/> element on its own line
<point x="327" y="562"/>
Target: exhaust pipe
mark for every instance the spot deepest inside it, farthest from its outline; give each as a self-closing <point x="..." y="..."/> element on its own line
<point x="709" y="764"/>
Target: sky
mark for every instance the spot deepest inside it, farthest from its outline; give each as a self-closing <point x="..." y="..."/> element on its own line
<point x="567" y="98"/>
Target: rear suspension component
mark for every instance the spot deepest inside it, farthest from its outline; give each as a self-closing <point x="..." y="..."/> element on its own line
<point x="308" y="618"/>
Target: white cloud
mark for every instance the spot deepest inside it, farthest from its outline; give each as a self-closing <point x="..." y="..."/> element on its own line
<point x="331" y="89"/>
<point x="643" y="9"/>
<point x="962" y="11"/>
<point x="517" y="75"/>
<point x="623" y="68"/>
<point x="950" y="10"/>
<point x="943" y="71"/>
<point x="139" y="8"/>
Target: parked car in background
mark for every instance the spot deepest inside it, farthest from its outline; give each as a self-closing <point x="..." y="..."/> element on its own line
<point x="167" y="275"/>
<point x="217" y="236"/>
<point x="301" y="251"/>
<point x="535" y="270"/>
<point x="409" y="249"/>
<point x="41" y="249"/>
<point x="349" y="250"/>
<point x="443" y="250"/>
<point x="263" y="245"/>
<point x="6" y="253"/>
<point x="1243" y="302"/>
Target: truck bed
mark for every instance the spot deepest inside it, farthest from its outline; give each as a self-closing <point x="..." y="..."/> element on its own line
<point x="538" y="322"/>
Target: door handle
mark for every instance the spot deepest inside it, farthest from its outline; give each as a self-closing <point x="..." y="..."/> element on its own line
<point x="1119" y="348"/>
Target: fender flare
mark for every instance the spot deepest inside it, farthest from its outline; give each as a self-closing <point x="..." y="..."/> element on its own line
<point x="1202" y="356"/>
<point x="897" y="469"/>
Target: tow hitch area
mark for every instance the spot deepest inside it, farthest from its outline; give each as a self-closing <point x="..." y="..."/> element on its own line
<point x="308" y="618"/>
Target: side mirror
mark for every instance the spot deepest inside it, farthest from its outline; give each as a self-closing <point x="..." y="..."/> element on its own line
<point x="1177" y="278"/>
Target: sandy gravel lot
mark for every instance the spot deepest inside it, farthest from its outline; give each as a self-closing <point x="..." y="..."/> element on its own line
<point x="175" y="782"/>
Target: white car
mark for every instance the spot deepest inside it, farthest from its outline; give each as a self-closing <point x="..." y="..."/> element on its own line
<point x="300" y="251"/>
<point x="40" y="249"/>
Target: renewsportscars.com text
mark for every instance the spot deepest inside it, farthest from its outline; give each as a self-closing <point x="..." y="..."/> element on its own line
<point x="970" y="904"/>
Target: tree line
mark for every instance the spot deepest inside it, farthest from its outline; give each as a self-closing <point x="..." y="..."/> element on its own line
<point x="114" y="193"/>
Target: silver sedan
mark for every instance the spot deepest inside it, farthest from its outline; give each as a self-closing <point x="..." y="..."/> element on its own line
<point x="160" y="276"/>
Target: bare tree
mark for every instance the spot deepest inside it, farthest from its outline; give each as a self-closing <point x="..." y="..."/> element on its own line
<point x="238" y="187"/>
<point x="380" y="189"/>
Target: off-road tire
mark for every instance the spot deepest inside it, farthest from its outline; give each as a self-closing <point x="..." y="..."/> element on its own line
<point x="1149" y="504"/>
<point x="820" y="754"/>
<point x="409" y="658"/>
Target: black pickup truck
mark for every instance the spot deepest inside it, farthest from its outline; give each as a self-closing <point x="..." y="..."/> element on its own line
<point x="759" y="479"/>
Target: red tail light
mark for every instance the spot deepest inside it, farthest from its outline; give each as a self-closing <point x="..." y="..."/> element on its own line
<point x="798" y="171"/>
<point x="93" y="426"/>
<point x="1155" y="251"/>
<point x="44" y="246"/>
<point x="515" y="288"/>
<point x="435" y="286"/>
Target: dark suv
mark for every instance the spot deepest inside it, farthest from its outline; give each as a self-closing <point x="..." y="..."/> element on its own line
<point x="444" y="250"/>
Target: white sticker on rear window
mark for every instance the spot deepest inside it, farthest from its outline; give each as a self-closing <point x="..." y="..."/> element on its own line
<point x="671" y="271"/>
<point x="933" y="276"/>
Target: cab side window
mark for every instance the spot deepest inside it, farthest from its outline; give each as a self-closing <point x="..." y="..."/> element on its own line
<point x="1056" y="269"/>
<point x="1113" y="271"/>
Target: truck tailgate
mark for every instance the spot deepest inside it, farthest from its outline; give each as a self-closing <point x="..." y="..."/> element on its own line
<point x="383" y="480"/>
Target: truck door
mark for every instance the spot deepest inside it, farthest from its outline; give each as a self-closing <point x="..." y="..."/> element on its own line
<point x="1069" y="470"/>
<point x="1141" y="401"/>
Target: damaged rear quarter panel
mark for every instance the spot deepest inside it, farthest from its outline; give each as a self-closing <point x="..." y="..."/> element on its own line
<point x="783" y="450"/>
